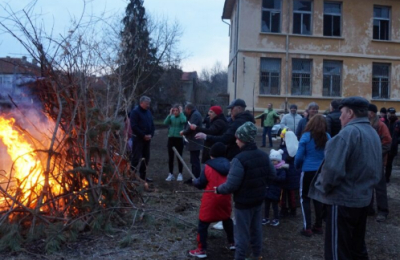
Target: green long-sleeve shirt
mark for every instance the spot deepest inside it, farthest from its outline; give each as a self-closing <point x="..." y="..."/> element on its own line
<point x="269" y="116"/>
<point x="176" y="124"/>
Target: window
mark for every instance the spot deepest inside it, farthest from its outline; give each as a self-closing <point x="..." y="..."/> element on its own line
<point x="332" y="19"/>
<point x="302" y="20"/>
<point x="270" y="75"/>
<point x="301" y="77"/>
<point x="380" y="80"/>
<point x="332" y="80"/>
<point x="271" y="16"/>
<point x="381" y="23"/>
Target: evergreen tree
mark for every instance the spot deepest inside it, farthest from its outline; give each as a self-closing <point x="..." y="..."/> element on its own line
<point x="138" y="58"/>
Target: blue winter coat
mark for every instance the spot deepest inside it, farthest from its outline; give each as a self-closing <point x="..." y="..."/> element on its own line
<point x="308" y="157"/>
<point x="273" y="191"/>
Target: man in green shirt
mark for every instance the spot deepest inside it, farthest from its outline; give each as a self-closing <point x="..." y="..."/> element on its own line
<point x="267" y="121"/>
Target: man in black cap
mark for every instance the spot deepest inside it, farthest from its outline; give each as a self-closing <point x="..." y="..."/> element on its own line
<point x="292" y="119"/>
<point x="332" y="119"/>
<point x="239" y="117"/>
<point x="346" y="179"/>
<point x="394" y="129"/>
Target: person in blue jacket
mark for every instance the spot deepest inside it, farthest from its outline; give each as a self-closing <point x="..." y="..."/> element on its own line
<point x="142" y="131"/>
<point x="309" y="156"/>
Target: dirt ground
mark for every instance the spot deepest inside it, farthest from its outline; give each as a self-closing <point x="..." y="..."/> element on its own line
<point x="168" y="228"/>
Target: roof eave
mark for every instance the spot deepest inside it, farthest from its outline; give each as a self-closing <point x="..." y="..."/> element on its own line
<point x="228" y="8"/>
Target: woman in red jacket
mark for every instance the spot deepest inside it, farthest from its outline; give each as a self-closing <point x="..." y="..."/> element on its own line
<point x="214" y="207"/>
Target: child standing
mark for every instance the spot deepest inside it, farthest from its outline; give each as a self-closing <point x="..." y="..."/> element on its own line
<point x="274" y="190"/>
<point x="214" y="207"/>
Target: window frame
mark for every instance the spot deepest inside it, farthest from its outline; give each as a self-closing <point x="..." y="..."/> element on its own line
<point x="301" y="78"/>
<point x="270" y="18"/>
<point x="332" y="15"/>
<point x="331" y="75"/>
<point x="388" y="77"/>
<point x="269" y="85"/>
<point x="382" y="19"/>
<point x="302" y="16"/>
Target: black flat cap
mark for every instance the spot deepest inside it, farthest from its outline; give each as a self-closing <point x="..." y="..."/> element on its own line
<point x="237" y="103"/>
<point x="373" y="108"/>
<point x="391" y="110"/>
<point x="354" y="102"/>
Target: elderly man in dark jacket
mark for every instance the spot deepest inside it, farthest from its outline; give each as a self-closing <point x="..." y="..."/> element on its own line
<point x="247" y="179"/>
<point x="239" y="117"/>
<point x="194" y="145"/>
<point x="346" y="179"/>
<point x="143" y="130"/>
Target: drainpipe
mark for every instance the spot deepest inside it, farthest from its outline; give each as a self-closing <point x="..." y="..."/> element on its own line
<point x="237" y="47"/>
<point x="287" y="56"/>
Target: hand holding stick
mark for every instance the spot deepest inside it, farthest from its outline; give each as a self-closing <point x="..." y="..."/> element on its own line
<point x="183" y="162"/>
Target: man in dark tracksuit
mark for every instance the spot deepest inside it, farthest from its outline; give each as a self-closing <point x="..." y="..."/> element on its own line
<point x="194" y="146"/>
<point x="247" y="180"/>
<point x="332" y="119"/>
<point x="346" y="179"/>
<point x="394" y="129"/>
<point x="143" y="130"/>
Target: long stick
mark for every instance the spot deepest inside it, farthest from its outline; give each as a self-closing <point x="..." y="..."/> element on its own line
<point x="183" y="162"/>
<point x="196" y="191"/>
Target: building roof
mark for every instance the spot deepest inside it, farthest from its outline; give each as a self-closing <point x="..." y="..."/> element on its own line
<point x="18" y="66"/>
<point x="186" y="76"/>
<point x="228" y="8"/>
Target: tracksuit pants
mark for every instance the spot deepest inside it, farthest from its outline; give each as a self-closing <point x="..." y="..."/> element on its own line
<point x="345" y="233"/>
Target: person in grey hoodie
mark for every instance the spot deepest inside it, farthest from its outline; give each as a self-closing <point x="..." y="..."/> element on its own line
<point x="291" y="120"/>
<point x="346" y="179"/>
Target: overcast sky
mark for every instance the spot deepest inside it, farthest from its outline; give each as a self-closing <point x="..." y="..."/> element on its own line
<point x="205" y="38"/>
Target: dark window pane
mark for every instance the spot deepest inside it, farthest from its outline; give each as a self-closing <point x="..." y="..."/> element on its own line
<point x="272" y="4"/>
<point x="326" y="86"/>
<point x="302" y="5"/>
<point x="336" y="82"/>
<point x="336" y="26"/>
<point x="327" y="25"/>
<point x="381" y="12"/>
<point x="306" y="27"/>
<point x="332" y="8"/>
<point x="296" y="23"/>
<point x="384" y="33"/>
<point x="376" y="29"/>
<point x="276" y="20"/>
<point x="266" y="27"/>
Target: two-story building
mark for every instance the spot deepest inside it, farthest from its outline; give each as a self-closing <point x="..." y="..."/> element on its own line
<point x="295" y="52"/>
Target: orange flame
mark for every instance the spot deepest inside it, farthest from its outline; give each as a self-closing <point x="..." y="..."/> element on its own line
<point x="26" y="176"/>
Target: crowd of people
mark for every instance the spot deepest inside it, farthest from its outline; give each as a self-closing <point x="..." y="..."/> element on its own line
<point x="339" y="162"/>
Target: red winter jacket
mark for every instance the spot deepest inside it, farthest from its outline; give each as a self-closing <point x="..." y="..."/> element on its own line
<point x="214" y="207"/>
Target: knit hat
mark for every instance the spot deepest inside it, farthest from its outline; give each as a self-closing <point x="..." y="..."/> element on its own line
<point x="383" y="110"/>
<point x="218" y="150"/>
<point x="216" y="109"/>
<point x="293" y="106"/>
<point x="275" y="155"/>
<point x="372" y="108"/>
<point x="246" y="132"/>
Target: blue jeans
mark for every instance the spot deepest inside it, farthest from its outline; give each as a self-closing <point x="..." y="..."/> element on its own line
<point x="247" y="229"/>
<point x="267" y="131"/>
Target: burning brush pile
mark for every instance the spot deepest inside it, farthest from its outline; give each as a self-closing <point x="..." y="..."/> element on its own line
<point x="62" y="168"/>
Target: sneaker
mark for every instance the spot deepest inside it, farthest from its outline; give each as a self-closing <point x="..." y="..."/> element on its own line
<point x="218" y="226"/>
<point x="317" y="230"/>
<point x="232" y="247"/>
<point x="306" y="232"/>
<point x="265" y="221"/>
<point x="170" y="177"/>
<point x="179" y="178"/>
<point x="275" y="222"/>
<point x="381" y="218"/>
<point x="198" y="253"/>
